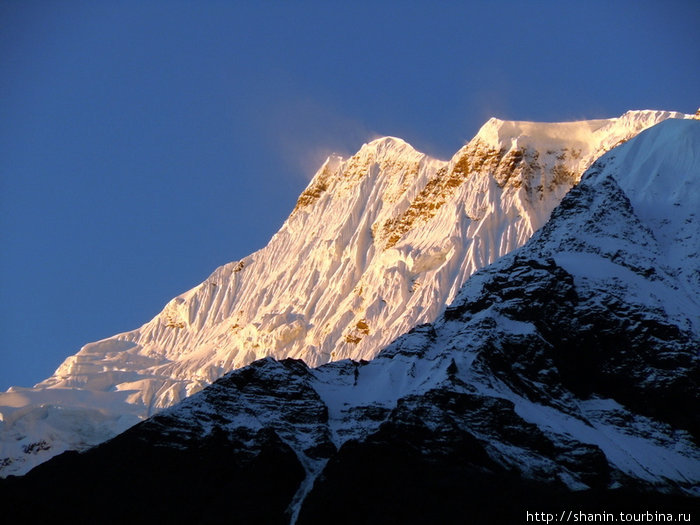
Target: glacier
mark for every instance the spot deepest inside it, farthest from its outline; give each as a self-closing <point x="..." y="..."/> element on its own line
<point x="378" y="243"/>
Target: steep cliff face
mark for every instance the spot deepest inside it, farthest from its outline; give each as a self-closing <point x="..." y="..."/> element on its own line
<point x="377" y="243"/>
<point x="565" y="373"/>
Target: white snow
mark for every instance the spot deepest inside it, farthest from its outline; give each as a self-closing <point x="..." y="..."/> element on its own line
<point x="358" y="396"/>
<point x="663" y="190"/>
<point x="378" y="243"/>
<point x="655" y="460"/>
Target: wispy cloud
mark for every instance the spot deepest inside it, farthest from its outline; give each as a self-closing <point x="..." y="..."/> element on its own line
<point x="306" y="132"/>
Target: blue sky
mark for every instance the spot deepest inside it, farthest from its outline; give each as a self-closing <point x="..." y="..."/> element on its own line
<point x="142" y="144"/>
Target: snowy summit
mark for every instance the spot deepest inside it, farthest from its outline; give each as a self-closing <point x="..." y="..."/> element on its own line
<point x="378" y="243"/>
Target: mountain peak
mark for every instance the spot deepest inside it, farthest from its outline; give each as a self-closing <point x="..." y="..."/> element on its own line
<point x="568" y="367"/>
<point x="378" y="243"/>
<point x="658" y="172"/>
<point x="508" y="133"/>
<point x="385" y="147"/>
<point x="581" y="133"/>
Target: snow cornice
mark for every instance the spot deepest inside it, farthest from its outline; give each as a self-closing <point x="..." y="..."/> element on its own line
<point x="499" y="133"/>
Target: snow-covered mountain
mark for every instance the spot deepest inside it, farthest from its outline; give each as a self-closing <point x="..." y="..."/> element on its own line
<point x="378" y="243"/>
<point x="565" y="374"/>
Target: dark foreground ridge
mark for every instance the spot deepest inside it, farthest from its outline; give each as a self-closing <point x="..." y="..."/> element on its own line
<point x="387" y="479"/>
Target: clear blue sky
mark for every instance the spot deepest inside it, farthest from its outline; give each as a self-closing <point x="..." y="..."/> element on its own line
<point x="142" y="144"/>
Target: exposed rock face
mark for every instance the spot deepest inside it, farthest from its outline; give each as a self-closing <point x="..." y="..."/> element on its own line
<point x="565" y="375"/>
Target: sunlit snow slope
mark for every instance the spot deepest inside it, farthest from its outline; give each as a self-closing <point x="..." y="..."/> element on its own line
<point x="377" y="243"/>
<point x="564" y="375"/>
